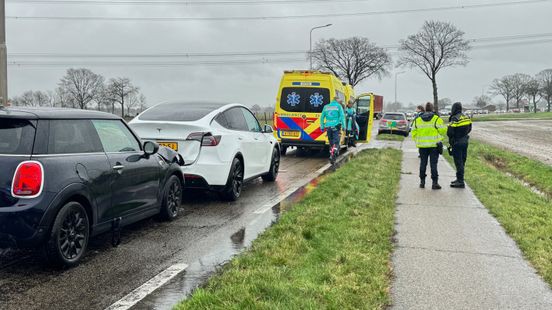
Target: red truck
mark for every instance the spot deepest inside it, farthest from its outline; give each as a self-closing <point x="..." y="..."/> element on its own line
<point x="378" y="106"/>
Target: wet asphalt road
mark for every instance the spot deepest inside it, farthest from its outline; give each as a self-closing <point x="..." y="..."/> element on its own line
<point x="204" y="236"/>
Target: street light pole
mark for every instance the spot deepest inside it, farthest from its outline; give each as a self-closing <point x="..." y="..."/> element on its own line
<point x="310" y="41"/>
<point x="3" y="56"/>
<point x="396" y="74"/>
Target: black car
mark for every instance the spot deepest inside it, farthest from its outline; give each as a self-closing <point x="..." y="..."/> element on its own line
<point x="67" y="175"/>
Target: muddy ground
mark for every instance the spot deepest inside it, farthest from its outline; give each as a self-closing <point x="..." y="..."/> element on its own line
<point x="528" y="137"/>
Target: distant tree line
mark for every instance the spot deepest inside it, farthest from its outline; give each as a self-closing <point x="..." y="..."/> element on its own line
<point x="515" y="88"/>
<point x="84" y="89"/>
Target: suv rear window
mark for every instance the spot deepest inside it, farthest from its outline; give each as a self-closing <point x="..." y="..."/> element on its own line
<point x="304" y="99"/>
<point x="179" y="112"/>
<point x="16" y="136"/>
<point x="394" y="117"/>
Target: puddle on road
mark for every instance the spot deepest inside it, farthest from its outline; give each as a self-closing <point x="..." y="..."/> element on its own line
<point x="199" y="272"/>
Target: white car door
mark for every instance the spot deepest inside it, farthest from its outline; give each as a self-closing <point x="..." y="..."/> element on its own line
<point x="246" y="141"/>
<point x="262" y="148"/>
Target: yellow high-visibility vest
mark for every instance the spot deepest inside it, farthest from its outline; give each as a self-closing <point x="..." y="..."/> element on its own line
<point x="428" y="134"/>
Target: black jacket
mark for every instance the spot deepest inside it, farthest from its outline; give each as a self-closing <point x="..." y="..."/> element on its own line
<point x="459" y="126"/>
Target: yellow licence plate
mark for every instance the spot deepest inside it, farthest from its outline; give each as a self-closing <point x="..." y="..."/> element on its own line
<point x="289" y="133"/>
<point x="171" y="145"/>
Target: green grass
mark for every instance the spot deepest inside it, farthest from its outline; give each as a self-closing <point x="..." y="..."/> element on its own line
<point x="525" y="215"/>
<point x="513" y="116"/>
<point x="331" y="250"/>
<point x="390" y="137"/>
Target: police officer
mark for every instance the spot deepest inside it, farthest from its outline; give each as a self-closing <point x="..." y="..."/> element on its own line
<point x="459" y="127"/>
<point x="428" y="132"/>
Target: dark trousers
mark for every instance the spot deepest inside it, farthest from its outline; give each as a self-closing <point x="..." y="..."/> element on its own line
<point x="433" y="155"/>
<point x="333" y="136"/>
<point x="460" y="154"/>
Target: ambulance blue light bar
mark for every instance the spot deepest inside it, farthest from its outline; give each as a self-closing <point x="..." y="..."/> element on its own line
<point x="305" y="83"/>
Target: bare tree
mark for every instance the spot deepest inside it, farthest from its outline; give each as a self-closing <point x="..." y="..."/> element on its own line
<point x="445" y="102"/>
<point x="353" y="60"/>
<point x="505" y="88"/>
<point x="82" y="85"/>
<point x="63" y="99"/>
<point x="438" y="45"/>
<point x="120" y="89"/>
<point x="32" y="98"/>
<point x="256" y="109"/>
<point x="545" y="79"/>
<point x="520" y="81"/>
<point x="482" y="101"/>
<point x="533" y="89"/>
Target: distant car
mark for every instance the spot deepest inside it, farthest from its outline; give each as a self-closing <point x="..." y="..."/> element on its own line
<point x="395" y="122"/>
<point x="67" y="175"/>
<point x="223" y="145"/>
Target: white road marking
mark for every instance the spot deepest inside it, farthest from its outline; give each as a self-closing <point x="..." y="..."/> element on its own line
<point x="147" y="288"/>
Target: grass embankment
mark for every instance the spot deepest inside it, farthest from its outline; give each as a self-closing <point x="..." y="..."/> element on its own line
<point x="390" y="137"/>
<point x="331" y="250"/>
<point x="525" y="215"/>
<point x="513" y="116"/>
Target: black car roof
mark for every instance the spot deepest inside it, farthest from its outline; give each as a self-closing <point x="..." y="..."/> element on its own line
<point x="54" y="113"/>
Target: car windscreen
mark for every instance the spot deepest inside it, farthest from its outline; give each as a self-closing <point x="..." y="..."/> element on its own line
<point x="394" y="117"/>
<point x="179" y="112"/>
<point x="16" y="136"/>
<point x="304" y="99"/>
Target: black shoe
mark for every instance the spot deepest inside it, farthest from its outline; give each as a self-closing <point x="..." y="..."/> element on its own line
<point x="435" y="186"/>
<point x="455" y="181"/>
<point x="422" y="183"/>
<point x="458" y="184"/>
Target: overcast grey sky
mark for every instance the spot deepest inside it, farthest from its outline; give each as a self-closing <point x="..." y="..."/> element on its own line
<point x="257" y="83"/>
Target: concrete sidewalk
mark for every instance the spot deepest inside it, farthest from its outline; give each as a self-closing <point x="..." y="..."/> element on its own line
<point x="452" y="254"/>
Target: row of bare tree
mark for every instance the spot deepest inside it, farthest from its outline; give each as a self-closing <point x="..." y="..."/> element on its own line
<point x="514" y="88"/>
<point x="436" y="46"/>
<point x="84" y="89"/>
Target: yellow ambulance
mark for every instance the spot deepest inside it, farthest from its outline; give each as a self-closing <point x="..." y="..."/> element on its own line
<point x="301" y="97"/>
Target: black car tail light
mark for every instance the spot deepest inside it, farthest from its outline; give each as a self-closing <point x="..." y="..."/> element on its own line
<point x="28" y="180"/>
<point x="207" y="139"/>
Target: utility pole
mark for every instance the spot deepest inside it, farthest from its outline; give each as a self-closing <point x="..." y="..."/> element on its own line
<point x="3" y="56"/>
<point x="397" y="74"/>
<point x="310" y="41"/>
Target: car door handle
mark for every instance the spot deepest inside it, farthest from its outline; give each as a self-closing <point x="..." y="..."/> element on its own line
<point x="118" y="167"/>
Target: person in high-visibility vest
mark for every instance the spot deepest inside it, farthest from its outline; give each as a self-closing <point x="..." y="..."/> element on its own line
<point x="428" y="133"/>
<point x="458" y="132"/>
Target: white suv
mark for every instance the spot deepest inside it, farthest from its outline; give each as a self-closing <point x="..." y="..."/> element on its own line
<point x="223" y="145"/>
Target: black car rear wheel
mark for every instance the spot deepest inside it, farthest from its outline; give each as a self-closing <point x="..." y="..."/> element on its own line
<point x="274" y="167"/>
<point x="69" y="236"/>
<point x="172" y="199"/>
<point x="234" y="185"/>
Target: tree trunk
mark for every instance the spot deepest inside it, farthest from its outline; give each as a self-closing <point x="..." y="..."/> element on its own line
<point x="549" y="101"/>
<point x="435" y="95"/>
<point x="123" y="106"/>
<point x="535" y="103"/>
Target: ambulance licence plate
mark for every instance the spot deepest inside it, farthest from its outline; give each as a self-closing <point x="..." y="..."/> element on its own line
<point x="290" y="134"/>
<point x="171" y="145"/>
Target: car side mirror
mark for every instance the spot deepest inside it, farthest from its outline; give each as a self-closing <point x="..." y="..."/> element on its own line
<point x="268" y="129"/>
<point x="150" y="147"/>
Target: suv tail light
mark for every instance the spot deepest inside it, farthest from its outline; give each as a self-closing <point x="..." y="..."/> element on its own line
<point x="28" y="180"/>
<point x="206" y="139"/>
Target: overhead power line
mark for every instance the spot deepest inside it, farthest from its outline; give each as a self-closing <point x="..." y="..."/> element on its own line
<point x="509" y="39"/>
<point x="175" y="2"/>
<point x="218" y="62"/>
<point x="282" y="17"/>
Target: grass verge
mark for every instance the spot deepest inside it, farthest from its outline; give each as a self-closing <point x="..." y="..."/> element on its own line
<point x="390" y="137"/>
<point x="513" y="116"/>
<point x="331" y="250"/>
<point x="525" y="215"/>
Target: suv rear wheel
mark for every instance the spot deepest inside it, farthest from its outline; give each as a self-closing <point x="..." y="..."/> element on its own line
<point x="233" y="188"/>
<point x="274" y="167"/>
<point x="69" y="236"/>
